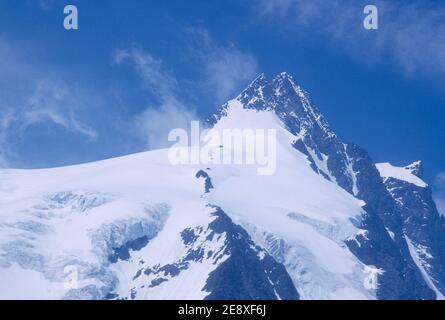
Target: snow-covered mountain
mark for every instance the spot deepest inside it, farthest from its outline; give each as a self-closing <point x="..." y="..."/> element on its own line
<point x="328" y="224"/>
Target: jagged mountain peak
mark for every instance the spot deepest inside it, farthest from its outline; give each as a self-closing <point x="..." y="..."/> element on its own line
<point x="416" y="168"/>
<point x="280" y="79"/>
<point x="284" y="79"/>
<point x="285" y="74"/>
<point x="267" y="90"/>
<point x="286" y="98"/>
<point x="292" y="105"/>
<point x="260" y="78"/>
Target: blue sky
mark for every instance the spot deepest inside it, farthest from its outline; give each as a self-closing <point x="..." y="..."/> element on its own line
<point x="136" y="68"/>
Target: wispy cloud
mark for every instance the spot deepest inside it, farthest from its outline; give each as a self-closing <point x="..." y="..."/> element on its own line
<point x="54" y="103"/>
<point x="411" y="34"/>
<point x="5" y="122"/>
<point x="156" y="77"/>
<point x="49" y="103"/>
<point x="154" y="124"/>
<point x="30" y="97"/>
<point x="226" y="68"/>
<point x="223" y="70"/>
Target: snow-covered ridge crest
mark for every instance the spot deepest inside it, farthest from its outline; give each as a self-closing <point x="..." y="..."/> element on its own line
<point x="296" y="214"/>
<point x="387" y="170"/>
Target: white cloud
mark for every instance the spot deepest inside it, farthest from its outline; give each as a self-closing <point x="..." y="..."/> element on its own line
<point x="49" y="102"/>
<point x="223" y="70"/>
<point x="5" y="122"/>
<point x="154" y="124"/>
<point x="54" y="103"/>
<point x="411" y="34"/>
<point x="156" y="78"/>
<point x="30" y="97"/>
<point x="227" y="69"/>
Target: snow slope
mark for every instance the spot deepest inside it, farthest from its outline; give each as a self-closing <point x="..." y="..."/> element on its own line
<point x="311" y="215"/>
<point x="76" y="215"/>
<point x="401" y="173"/>
<point x="79" y="215"/>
